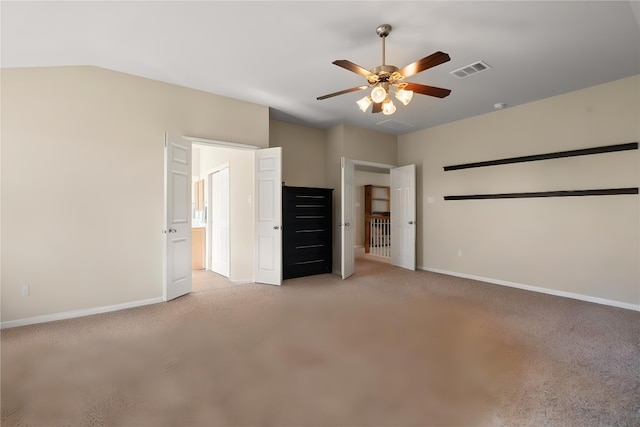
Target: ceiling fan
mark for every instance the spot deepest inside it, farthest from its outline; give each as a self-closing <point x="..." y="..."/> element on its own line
<point x="383" y="77"/>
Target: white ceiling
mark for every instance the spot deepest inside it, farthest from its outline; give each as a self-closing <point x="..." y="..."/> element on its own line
<point x="279" y="54"/>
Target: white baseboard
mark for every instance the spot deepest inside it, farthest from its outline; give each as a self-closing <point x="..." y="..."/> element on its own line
<point x="555" y="292"/>
<point x="109" y="308"/>
<point x="78" y="313"/>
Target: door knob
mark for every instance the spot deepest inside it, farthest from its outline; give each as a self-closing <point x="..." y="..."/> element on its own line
<point x="275" y="227"/>
<point x="412" y="222"/>
<point x="173" y="230"/>
<point x="347" y="224"/>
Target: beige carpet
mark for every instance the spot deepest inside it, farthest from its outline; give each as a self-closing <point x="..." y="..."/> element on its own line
<point x="206" y="280"/>
<point x="387" y="347"/>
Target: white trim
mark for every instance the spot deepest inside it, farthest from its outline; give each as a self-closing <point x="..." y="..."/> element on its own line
<point x="78" y="313"/>
<point x="222" y="144"/>
<point x="372" y="164"/>
<point x="218" y="168"/>
<point x="581" y="297"/>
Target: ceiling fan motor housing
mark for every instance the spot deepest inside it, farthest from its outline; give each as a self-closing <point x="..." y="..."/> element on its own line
<point x="384" y="71"/>
<point x="383" y="30"/>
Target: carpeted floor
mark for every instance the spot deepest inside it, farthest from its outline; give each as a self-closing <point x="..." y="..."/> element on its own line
<point x="387" y="347"/>
<point x="206" y="280"/>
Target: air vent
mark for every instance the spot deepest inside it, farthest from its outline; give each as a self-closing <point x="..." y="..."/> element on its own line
<point x="470" y="69"/>
<point x="395" y="124"/>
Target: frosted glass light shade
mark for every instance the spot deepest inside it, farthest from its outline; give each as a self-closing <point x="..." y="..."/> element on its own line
<point x="404" y="96"/>
<point x="388" y="108"/>
<point x="378" y="94"/>
<point x="364" y="103"/>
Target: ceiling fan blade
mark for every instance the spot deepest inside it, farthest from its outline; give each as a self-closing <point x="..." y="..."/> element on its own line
<point x="424" y="64"/>
<point x="438" y="92"/>
<point x="377" y="107"/>
<point x="342" y="92"/>
<point x="348" y="65"/>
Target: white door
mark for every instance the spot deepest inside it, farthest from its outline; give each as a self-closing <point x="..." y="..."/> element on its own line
<point x="268" y="217"/>
<point x="348" y="218"/>
<point x="177" y="184"/>
<point x="403" y="217"/>
<point x="219" y="221"/>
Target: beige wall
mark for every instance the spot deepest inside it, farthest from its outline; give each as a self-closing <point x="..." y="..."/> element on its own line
<point x="581" y="245"/>
<point x="82" y="181"/>
<point x="369" y="146"/>
<point x="241" y="229"/>
<point x="302" y="153"/>
<point x="82" y="186"/>
<point x="355" y="144"/>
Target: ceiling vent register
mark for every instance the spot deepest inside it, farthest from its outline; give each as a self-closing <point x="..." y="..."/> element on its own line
<point x="395" y="125"/>
<point x="470" y="69"/>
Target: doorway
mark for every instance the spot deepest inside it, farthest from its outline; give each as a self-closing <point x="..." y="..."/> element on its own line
<point x="226" y="171"/>
<point x="372" y="215"/>
<point x="402" y="194"/>
<point x="210" y="218"/>
<point x="254" y="211"/>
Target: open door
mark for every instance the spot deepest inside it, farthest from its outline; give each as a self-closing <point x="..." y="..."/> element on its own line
<point x="403" y="217"/>
<point x="218" y="219"/>
<point x="347" y="223"/>
<point x="268" y="216"/>
<point x="177" y="184"/>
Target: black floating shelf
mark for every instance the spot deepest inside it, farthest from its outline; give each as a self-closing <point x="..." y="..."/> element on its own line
<point x="573" y="193"/>
<point x="547" y="156"/>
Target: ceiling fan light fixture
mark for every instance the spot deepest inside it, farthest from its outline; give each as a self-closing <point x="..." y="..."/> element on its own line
<point x="364" y="103"/>
<point x="404" y="96"/>
<point x="381" y="78"/>
<point x="378" y="94"/>
<point x="388" y="108"/>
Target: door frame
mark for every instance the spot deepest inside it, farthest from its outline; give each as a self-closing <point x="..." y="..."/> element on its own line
<point x="356" y="163"/>
<point x="202" y="141"/>
<point x="221" y="144"/>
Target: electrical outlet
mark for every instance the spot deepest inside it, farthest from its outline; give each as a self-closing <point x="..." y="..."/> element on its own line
<point x="24" y="289"/>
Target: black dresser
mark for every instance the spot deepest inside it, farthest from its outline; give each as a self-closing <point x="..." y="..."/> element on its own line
<point x="306" y="231"/>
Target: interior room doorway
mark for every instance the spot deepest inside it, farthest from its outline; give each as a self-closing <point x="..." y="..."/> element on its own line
<point x="210" y="218"/>
<point x="373" y="215"/>
<point x="255" y="212"/>
<point x="402" y="193"/>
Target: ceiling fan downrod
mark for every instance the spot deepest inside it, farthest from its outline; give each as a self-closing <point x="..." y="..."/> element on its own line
<point x="383" y="31"/>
